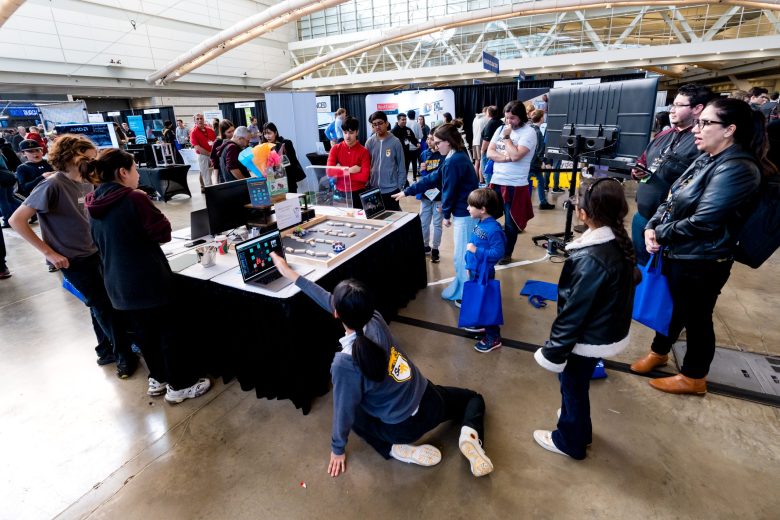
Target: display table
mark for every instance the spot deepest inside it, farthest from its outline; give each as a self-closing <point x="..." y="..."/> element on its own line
<point x="166" y="181"/>
<point x="281" y="344"/>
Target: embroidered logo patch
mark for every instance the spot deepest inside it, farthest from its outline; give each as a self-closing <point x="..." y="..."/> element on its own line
<point x="387" y="152"/>
<point x="398" y="367"/>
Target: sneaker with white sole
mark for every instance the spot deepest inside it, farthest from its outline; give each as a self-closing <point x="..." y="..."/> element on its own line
<point x="191" y="392"/>
<point x="422" y="455"/>
<point x="487" y="345"/>
<point x="471" y="448"/>
<point x="156" y="388"/>
<point x="544" y="439"/>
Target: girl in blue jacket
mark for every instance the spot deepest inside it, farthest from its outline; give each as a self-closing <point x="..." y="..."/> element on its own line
<point x="380" y="394"/>
<point x="484" y="249"/>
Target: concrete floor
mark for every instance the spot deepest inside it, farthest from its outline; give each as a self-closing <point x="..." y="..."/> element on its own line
<point x="79" y="443"/>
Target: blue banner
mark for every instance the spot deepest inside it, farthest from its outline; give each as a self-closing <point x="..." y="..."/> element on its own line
<point x="490" y="62"/>
<point x="136" y="124"/>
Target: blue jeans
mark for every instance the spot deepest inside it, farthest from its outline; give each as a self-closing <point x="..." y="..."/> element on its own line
<point x="431" y="211"/>
<point x="8" y="203"/>
<point x="541" y="185"/>
<point x="575" y="430"/>
<point x="461" y="230"/>
<point x="482" y="169"/>
<point x="556" y="176"/>
<point x="638" y="224"/>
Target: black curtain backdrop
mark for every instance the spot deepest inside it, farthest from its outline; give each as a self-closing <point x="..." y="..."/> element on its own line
<point x="355" y="104"/>
<point x="237" y="116"/>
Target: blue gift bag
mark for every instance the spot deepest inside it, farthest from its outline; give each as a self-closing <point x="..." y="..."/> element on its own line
<point x="481" y="304"/>
<point x="72" y="289"/>
<point x="652" y="299"/>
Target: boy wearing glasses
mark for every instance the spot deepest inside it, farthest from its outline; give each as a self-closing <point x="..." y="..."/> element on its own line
<point x="665" y="159"/>
<point x="388" y="169"/>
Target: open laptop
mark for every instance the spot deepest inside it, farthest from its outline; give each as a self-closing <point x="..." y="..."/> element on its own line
<point x="374" y="208"/>
<point x="257" y="267"/>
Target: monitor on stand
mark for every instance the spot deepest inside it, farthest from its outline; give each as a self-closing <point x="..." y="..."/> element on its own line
<point x="225" y="203"/>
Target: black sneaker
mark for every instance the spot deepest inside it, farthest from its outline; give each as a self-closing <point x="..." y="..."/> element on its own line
<point x="457" y="303"/>
<point x="505" y="260"/>
<point x="435" y="256"/>
<point x="427" y="250"/>
<point x="557" y="190"/>
<point x="546" y="205"/>
<point x="5" y="273"/>
<point x="126" y="366"/>
<point x="106" y="359"/>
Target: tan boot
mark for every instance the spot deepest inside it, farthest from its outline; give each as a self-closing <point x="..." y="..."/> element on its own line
<point x="680" y="384"/>
<point x="649" y="362"/>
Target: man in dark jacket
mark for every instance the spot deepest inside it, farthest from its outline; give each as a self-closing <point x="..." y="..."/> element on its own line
<point x="665" y="159"/>
<point x="230" y="168"/>
<point x="409" y="142"/>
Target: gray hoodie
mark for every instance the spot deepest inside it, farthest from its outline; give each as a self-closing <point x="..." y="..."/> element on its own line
<point x="388" y="169"/>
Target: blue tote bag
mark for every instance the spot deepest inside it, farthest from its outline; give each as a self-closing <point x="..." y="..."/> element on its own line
<point x="481" y="304"/>
<point x="652" y="299"/>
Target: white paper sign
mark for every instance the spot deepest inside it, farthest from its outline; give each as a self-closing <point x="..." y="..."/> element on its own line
<point x="95" y="118"/>
<point x="246" y="104"/>
<point x="212" y="114"/>
<point x="152" y="111"/>
<point x="288" y="213"/>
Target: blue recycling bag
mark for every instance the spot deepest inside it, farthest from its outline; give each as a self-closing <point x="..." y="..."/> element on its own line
<point x="481" y="303"/>
<point x="653" y="299"/>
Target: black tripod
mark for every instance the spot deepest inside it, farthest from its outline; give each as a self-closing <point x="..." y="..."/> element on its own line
<point x="556" y="242"/>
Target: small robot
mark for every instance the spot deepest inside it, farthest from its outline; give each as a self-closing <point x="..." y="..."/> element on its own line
<point x="338" y="247"/>
<point x="299" y="232"/>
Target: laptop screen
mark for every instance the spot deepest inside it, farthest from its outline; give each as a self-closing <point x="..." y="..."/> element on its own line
<point x="372" y="202"/>
<point x="254" y="255"/>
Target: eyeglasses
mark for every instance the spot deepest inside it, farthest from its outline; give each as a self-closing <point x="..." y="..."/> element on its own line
<point x="377" y="123"/>
<point x="701" y="123"/>
<point x="678" y="105"/>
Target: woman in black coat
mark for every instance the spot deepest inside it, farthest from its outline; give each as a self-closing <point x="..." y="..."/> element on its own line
<point x="697" y="227"/>
<point x="284" y="147"/>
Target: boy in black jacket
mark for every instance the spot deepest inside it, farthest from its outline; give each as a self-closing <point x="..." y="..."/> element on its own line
<point x="32" y="172"/>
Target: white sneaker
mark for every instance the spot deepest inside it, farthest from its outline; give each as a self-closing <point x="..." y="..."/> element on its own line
<point x="155" y="387"/>
<point x="191" y="392"/>
<point x="471" y="448"/>
<point x="423" y="455"/>
<point x="544" y="439"/>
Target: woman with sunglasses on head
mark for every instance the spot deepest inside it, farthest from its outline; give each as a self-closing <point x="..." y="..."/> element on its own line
<point x="595" y="298"/>
<point x="696" y="229"/>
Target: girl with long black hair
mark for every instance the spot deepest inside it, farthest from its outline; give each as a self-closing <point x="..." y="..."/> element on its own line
<point x="698" y="226"/>
<point x="595" y="299"/>
<point x="380" y="394"/>
<point x="284" y="147"/>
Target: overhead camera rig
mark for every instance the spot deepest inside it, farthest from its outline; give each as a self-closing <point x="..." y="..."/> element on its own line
<point x="578" y="143"/>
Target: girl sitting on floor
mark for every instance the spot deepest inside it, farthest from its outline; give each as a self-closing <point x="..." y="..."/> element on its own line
<point x="380" y="394"/>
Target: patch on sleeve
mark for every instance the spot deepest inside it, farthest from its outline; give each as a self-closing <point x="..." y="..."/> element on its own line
<point x="398" y="367"/>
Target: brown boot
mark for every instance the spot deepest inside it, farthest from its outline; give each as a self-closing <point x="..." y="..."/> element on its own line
<point x="680" y="384"/>
<point x="649" y="362"/>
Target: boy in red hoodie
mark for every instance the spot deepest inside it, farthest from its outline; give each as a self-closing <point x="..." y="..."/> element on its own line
<point x="355" y="163"/>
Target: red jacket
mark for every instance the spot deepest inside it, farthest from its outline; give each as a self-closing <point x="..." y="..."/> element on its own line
<point x="343" y="155"/>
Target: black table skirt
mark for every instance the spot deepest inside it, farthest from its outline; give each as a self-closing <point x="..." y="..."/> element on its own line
<point x="283" y="348"/>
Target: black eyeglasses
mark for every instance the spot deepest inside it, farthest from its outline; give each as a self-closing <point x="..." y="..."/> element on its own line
<point x="701" y="123"/>
<point x="678" y="105"/>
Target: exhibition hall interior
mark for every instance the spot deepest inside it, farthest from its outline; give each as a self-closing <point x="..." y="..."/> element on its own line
<point x="389" y="259"/>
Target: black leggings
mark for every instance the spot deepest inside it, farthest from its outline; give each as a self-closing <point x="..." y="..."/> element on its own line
<point x="439" y="404"/>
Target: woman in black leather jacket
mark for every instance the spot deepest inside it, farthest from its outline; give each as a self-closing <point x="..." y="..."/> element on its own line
<point x="697" y="227"/>
<point x="595" y="299"/>
<point x="294" y="170"/>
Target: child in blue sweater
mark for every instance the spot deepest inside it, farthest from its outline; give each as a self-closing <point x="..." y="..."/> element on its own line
<point x="485" y="248"/>
<point x="380" y="394"/>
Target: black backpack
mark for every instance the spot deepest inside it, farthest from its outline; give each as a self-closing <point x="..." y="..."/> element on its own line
<point x="760" y="236"/>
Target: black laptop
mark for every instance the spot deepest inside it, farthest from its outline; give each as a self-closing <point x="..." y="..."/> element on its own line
<point x="374" y="208"/>
<point x="257" y="267"/>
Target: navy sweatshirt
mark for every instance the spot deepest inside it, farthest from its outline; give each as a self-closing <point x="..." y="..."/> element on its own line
<point x="29" y="174"/>
<point x="458" y="178"/>
<point x="128" y="230"/>
<point x="392" y="400"/>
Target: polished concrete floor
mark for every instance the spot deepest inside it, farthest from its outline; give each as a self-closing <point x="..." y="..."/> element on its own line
<point x="79" y="443"/>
